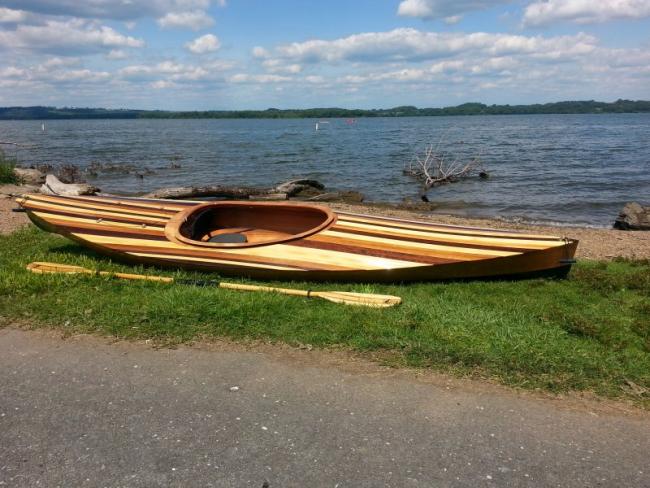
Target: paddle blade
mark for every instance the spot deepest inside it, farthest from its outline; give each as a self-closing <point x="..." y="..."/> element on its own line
<point x="360" y="299"/>
<point x="40" y="267"/>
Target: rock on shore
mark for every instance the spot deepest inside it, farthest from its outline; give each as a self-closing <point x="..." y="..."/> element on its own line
<point x="633" y="217"/>
<point x="30" y="176"/>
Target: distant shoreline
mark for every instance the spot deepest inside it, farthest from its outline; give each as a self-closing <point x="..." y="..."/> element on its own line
<point x="566" y="107"/>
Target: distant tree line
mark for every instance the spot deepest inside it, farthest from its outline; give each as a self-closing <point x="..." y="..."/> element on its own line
<point x="568" y="107"/>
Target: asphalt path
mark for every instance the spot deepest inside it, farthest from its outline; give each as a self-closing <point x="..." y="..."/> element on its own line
<point x="85" y="412"/>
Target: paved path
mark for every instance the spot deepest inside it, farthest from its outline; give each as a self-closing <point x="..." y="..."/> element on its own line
<point x="82" y="412"/>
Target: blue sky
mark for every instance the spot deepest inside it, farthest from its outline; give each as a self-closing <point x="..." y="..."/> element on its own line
<point x="254" y="54"/>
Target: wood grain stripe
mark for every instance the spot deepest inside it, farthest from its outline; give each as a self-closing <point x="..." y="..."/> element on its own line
<point x="433" y="252"/>
<point x="168" y="205"/>
<point x="70" y="211"/>
<point x="132" y="245"/>
<point x="92" y="223"/>
<point x="161" y="208"/>
<point x="476" y="243"/>
<point x="174" y="203"/>
<point x="209" y="265"/>
<point x="98" y="230"/>
<point x="440" y="250"/>
<point x="444" y="228"/>
<point x="379" y="251"/>
<point x="123" y="209"/>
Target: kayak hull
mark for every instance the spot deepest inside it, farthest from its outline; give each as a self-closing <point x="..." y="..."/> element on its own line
<point x="323" y="246"/>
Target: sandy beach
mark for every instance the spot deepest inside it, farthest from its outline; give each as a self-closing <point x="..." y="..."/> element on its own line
<point x="10" y="221"/>
<point x="601" y="244"/>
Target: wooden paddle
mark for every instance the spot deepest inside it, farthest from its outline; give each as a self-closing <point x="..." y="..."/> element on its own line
<point x="345" y="297"/>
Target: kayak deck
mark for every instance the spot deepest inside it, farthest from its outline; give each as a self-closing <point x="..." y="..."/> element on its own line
<point x="294" y="241"/>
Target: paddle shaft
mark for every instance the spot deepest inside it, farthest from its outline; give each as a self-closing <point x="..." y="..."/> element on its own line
<point x="53" y="268"/>
<point x="240" y="286"/>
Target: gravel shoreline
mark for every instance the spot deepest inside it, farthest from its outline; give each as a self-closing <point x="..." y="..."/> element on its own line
<point x="601" y="244"/>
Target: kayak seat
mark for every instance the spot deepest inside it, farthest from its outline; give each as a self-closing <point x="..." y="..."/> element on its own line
<point x="231" y="235"/>
<point x="228" y="238"/>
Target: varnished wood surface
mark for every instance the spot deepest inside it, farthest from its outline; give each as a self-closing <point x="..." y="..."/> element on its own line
<point x="348" y="247"/>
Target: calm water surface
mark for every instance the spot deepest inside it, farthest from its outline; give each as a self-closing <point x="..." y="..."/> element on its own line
<point x="546" y="168"/>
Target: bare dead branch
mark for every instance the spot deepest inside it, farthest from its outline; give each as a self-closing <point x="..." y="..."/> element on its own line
<point x="433" y="169"/>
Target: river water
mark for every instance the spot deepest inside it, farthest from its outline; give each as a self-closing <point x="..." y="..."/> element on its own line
<point x="543" y="168"/>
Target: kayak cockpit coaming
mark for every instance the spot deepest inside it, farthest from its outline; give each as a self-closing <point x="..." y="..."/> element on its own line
<point x="247" y="224"/>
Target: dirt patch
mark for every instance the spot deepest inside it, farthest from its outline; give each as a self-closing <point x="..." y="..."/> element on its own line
<point x="10" y="221"/>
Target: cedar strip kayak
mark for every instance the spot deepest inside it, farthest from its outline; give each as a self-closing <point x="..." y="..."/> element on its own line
<point x="282" y="240"/>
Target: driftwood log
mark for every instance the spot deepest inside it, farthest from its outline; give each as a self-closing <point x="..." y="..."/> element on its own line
<point x="54" y="186"/>
<point x="302" y="189"/>
<point x="342" y="196"/>
<point x="282" y="191"/>
<point x="218" y="191"/>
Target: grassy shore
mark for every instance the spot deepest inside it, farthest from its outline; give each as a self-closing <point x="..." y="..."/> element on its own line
<point x="590" y="332"/>
<point x="7" y="165"/>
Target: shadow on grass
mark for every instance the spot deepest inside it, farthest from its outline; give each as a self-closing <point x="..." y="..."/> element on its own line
<point x="79" y="251"/>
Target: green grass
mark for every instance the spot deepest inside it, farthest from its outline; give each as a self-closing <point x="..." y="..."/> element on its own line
<point x="7" y="165"/>
<point x="590" y="332"/>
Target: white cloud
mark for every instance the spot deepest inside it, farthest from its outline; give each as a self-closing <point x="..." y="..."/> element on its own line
<point x="443" y="9"/>
<point x="174" y="71"/>
<point x="66" y="37"/>
<point x="57" y="62"/>
<point x="278" y="65"/>
<point x="204" y="44"/>
<point x="10" y="16"/>
<point x="253" y="78"/>
<point x="162" y="84"/>
<point x="193" y="19"/>
<point x="109" y="9"/>
<point x="453" y="19"/>
<point x="260" y="52"/>
<point x="315" y="79"/>
<point x="429" y="62"/>
<point x="115" y="54"/>
<point x="54" y="71"/>
<point x="446" y="66"/>
<point x="12" y="72"/>
<point x="541" y="13"/>
<point x="80" y="75"/>
<point x="411" y="45"/>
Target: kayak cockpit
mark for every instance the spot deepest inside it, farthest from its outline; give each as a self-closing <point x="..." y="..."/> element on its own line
<point x="247" y="224"/>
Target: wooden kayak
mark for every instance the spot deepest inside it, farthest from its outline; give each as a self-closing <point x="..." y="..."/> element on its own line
<point x="284" y="240"/>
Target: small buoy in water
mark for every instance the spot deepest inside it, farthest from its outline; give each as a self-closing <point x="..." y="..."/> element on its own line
<point x="484" y="175"/>
<point x="43" y="126"/>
